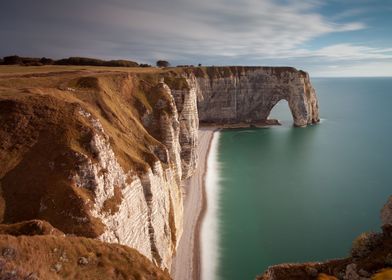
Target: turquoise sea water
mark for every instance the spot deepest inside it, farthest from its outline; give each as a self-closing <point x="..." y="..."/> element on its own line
<point x="294" y="195"/>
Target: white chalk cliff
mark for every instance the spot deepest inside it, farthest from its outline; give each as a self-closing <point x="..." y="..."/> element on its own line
<point x="248" y="94"/>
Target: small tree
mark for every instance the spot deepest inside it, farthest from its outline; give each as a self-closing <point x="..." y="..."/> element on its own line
<point x="163" y="63"/>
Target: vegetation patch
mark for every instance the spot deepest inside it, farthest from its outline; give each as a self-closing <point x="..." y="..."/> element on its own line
<point x="54" y="257"/>
<point x="84" y="61"/>
<point x="177" y="83"/>
<point x="111" y="205"/>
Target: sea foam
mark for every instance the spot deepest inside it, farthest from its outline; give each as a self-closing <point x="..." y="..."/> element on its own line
<point x="210" y="224"/>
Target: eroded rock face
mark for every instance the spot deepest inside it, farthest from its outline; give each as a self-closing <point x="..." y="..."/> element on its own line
<point x="162" y="187"/>
<point x="148" y="211"/>
<point x="386" y="213"/>
<point x="164" y="199"/>
<point x="248" y="94"/>
<point x="104" y="178"/>
<point x="186" y="103"/>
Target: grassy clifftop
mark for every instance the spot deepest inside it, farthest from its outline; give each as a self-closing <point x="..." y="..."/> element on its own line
<point x="43" y="127"/>
<point x="59" y="257"/>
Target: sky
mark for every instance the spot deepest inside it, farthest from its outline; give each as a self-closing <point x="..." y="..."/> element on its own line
<point x="325" y="38"/>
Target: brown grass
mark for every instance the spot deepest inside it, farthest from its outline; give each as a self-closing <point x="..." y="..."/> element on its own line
<point x="111" y="205"/>
<point x="33" y="227"/>
<point x="323" y="276"/>
<point x="15" y="69"/>
<point x="53" y="257"/>
<point x="385" y="274"/>
<point x="178" y="83"/>
<point x="41" y="130"/>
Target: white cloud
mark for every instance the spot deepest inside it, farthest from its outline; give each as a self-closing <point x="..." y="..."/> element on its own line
<point x="222" y="27"/>
<point x="342" y="52"/>
<point x="248" y="32"/>
<point x="353" y="52"/>
<point x="365" y="69"/>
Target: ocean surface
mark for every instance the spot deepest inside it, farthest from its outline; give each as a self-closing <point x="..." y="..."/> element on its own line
<point x="301" y="194"/>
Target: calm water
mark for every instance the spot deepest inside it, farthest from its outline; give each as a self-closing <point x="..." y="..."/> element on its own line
<point x="294" y="195"/>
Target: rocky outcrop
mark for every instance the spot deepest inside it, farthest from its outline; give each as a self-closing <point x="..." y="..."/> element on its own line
<point x="119" y="199"/>
<point x="186" y="101"/>
<point x="386" y="214"/>
<point x="248" y="94"/>
<point x="371" y="258"/>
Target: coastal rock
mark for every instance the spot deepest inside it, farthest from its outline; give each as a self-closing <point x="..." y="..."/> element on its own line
<point x="247" y="94"/>
<point x="351" y="272"/>
<point x="186" y="103"/>
<point x="104" y="178"/>
<point x="371" y="254"/>
<point x="165" y="211"/>
<point x="162" y="188"/>
<point x="163" y="124"/>
<point x="386" y="213"/>
<point x="151" y="203"/>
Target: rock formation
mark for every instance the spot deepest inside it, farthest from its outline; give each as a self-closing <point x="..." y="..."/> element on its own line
<point x="103" y="154"/>
<point x="248" y="94"/>
<point x="386" y="213"/>
<point x="371" y="258"/>
<point x="186" y="101"/>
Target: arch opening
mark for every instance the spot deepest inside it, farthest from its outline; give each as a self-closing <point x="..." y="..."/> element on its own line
<point x="281" y="111"/>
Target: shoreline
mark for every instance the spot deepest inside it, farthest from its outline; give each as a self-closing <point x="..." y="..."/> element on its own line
<point x="197" y="259"/>
<point x="187" y="261"/>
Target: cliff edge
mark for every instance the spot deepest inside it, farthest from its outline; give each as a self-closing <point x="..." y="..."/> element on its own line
<point x="94" y="154"/>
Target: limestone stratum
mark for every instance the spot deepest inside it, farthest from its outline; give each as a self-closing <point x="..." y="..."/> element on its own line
<point x="102" y="154"/>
